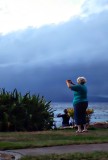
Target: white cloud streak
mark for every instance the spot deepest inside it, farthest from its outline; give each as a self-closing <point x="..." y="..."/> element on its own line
<point x="19" y="14"/>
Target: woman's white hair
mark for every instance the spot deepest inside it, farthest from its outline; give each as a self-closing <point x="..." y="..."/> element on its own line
<point x="81" y="80"/>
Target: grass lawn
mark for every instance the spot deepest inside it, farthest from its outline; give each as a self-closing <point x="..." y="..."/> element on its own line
<point x="15" y="140"/>
<point x="75" y="156"/>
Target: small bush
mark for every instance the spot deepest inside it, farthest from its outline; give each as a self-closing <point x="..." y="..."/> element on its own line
<point x="24" y="113"/>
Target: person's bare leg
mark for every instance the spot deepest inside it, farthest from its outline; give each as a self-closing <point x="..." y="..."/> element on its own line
<point x="79" y="128"/>
<point x="85" y="128"/>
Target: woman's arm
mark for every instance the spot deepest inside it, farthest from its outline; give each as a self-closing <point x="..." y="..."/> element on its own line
<point x="59" y="115"/>
<point x="69" y="83"/>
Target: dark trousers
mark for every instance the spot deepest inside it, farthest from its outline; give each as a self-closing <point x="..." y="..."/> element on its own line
<point x="80" y="113"/>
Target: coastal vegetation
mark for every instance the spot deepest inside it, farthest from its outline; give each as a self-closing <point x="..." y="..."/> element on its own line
<point x="24" y="112"/>
<point x="26" y="122"/>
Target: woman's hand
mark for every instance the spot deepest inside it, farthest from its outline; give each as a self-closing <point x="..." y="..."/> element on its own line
<point x="68" y="81"/>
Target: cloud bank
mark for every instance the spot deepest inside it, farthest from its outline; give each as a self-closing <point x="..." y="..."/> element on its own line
<point x="39" y="60"/>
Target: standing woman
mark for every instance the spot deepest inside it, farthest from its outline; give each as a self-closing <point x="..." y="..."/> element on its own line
<point x="80" y="102"/>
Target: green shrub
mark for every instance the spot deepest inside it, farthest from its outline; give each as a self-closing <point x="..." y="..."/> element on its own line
<point x="24" y="113"/>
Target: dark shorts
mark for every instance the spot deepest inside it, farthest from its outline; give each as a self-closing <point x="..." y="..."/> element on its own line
<point x="80" y="113"/>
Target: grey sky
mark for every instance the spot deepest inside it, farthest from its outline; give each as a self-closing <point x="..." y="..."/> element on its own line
<point x="39" y="60"/>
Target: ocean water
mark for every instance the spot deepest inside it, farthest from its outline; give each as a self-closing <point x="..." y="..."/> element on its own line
<point x="100" y="111"/>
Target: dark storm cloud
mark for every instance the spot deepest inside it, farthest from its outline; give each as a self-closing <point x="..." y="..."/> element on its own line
<point x="40" y="60"/>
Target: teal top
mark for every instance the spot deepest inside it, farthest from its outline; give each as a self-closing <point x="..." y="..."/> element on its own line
<point x="80" y="93"/>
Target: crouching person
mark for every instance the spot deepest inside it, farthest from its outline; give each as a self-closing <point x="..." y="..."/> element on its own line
<point x="65" y="118"/>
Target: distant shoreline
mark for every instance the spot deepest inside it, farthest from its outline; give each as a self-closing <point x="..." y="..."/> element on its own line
<point x="100" y="111"/>
<point x="91" y="125"/>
